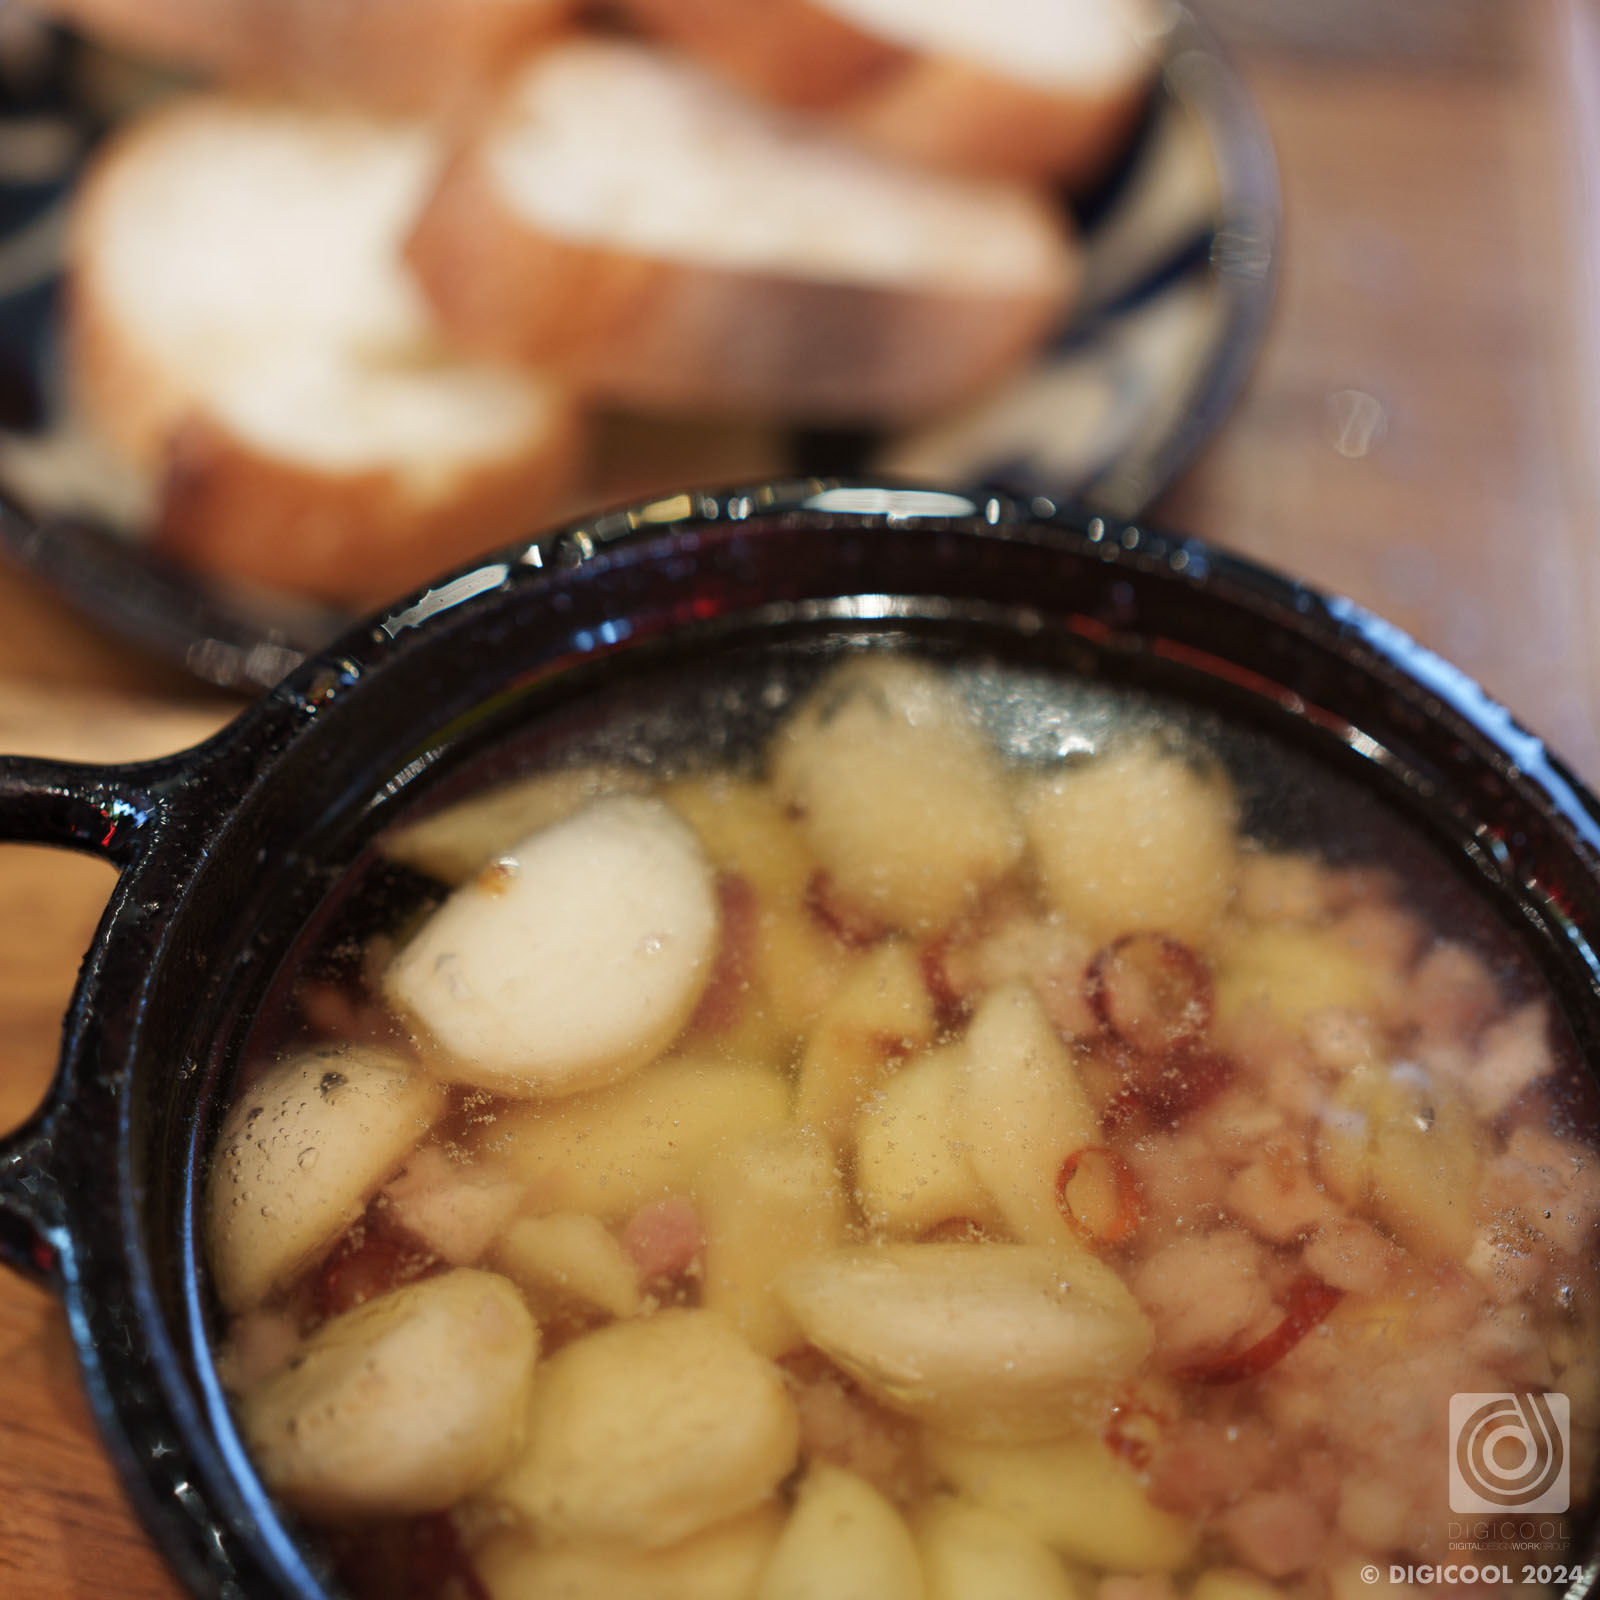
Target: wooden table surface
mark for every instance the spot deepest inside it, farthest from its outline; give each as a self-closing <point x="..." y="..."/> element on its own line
<point x="1420" y="433"/>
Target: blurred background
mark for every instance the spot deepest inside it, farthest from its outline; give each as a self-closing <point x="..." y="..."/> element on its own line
<point x="1420" y="430"/>
<point x="1419" y="426"/>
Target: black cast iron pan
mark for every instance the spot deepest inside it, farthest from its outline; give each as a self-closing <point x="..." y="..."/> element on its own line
<point x="228" y="850"/>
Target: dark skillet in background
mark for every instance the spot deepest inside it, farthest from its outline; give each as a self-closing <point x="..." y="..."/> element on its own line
<point x="227" y="851"/>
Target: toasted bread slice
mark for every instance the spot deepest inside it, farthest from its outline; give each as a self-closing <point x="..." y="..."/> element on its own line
<point x="1027" y="88"/>
<point x="393" y="55"/>
<point x="243" y="330"/>
<point x="640" y="227"/>
<point x="795" y="52"/>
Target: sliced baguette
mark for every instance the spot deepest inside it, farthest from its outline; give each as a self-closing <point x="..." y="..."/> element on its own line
<point x="795" y="52"/>
<point x="393" y="55"/>
<point x="243" y="331"/>
<point x="641" y="228"/>
<point x="1025" y="88"/>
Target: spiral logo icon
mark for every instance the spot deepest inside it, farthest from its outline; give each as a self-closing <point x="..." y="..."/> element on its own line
<point x="1509" y="1452"/>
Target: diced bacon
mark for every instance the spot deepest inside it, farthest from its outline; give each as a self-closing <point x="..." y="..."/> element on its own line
<point x="1353" y="1256"/>
<point x="1449" y="1304"/>
<point x="1275" y="1531"/>
<point x="1277" y="1199"/>
<point x="1349" y="888"/>
<point x="1256" y="1039"/>
<point x="455" y="1208"/>
<point x="1321" y="1477"/>
<point x="841" y="1425"/>
<point x="1508" y="1345"/>
<point x="1441" y="1058"/>
<point x="1382" y="934"/>
<point x="1180" y="1181"/>
<point x="1508" y="1260"/>
<point x="1238" y="1126"/>
<point x="1204" y="1465"/>
<point x="1452" y="994"/>
<point x="337" y="1012"/>
<point x="1373" y="1514"/>
<point x="1339" y="1039"/>
<point x="1515" y="1052"/>
<point x="1045" y="954"/>
<point x="1204" y="1293"/>
<point x="663" y="1239"/>
<point x="1551" y="1186"/>
<point x="1276" y="887"/>
<point x="1293" y="1087"/>
<point x="259" y="1343"/>
<point x="1382" y="1397"/>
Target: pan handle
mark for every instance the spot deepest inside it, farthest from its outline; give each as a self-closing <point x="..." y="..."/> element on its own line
<point x="104" y="811"/>
<point x="30" y="1229"/>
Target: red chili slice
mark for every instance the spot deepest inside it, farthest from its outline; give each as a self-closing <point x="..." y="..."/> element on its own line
<point x="1129" y="1210"/>
<point x="1151" y="991"/>
<point x="728" y="990"/>
<point x="1310" y="1300"/>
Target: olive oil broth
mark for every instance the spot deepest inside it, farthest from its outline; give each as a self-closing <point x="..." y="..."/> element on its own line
<point x="1073" y="1138"/>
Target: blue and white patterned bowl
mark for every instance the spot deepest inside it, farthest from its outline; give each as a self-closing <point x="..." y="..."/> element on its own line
<point x="1181" y="242"/>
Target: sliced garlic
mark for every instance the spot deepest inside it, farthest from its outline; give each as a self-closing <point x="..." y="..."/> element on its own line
<point x="401" y="1406"/>
<point x="649" y="1431"/>
<point x="573" y="960"/>
<point x="298" y="1158"/>
<point x="990" y="1341"/>
<point x="845" y="1541"/>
